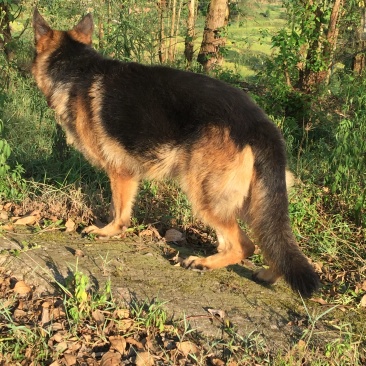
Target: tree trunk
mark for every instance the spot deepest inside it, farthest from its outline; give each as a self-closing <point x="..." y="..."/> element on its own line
<point x="214" y="34"/>
<point x="323" y="50"/>
<point x="191" y="22"/>
<point x="5" y="32"/>
<point x="161" y="39"/>
<point x="359" y="59"/>
<point x="177" y="28"/>
<point x="172" y="30"/>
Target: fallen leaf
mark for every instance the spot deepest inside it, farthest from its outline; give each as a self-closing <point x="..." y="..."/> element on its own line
<point x="150" y="231"/>
<point x="110" y="359"/>
<point x="45" y="313"/>
<point x="70" y="359"/>
<point x="22" y="289"/>
<point x="58" y="337"/>
<point x="3" y="215"/>
<point x="79" y="253"/>
<point x="27" y="220"/>
<point x="144" y="359"/>
<point x="7" y="206"/>
<point x="70" y="225"/>
<point x="363" y="301"/>
<point x="121" y="314"/>
<point x="7" y="227"/>
<point x="18" y="313"/>
<point x="56" y="363"/>
<point x="187" y="348"/>
<point x="363" y="287"/>
<point x="135" y="343"/>
<point x="319" y="300"/>
<point x="98" y="316"/>
<point x="173" y="235"/>
<point x="61" y="347"/>
<point x="57" y="326"/>
<point x="301" y="344"/>
<point x="217" y="362"/>
<point x="217" y="313"/>
<point x="318" y="267"/>
<point x="118" y="343"/>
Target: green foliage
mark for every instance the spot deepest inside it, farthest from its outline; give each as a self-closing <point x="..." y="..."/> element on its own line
<point x="80" y="300"/>
<point x="347" y="161"/>
<point x="150" y="315"/>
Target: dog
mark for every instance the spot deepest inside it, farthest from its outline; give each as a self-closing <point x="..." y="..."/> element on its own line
<point x="136" y="121"/>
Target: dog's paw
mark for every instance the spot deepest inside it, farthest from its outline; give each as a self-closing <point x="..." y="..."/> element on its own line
<point x="264" y="276"/>
<point x="104" y="232"/>
<point x="193" y="262"/>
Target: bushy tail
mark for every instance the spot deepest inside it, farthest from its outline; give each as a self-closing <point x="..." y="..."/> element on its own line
<point x="269" y="218"/>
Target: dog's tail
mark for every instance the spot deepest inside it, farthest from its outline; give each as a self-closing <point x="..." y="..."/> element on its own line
<point x="269" y="218"/>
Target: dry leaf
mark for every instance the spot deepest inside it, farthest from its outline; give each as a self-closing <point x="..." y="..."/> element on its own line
<point x="318" y="266"/>
<point x="18" y="313"/>
<point x="3" y="215"/>
<point x="187" y="348"/>
<point x="118" y="343"/>
<point x="144" y="359"/>
<point x="58" y="337"/>
<point x="121" y="314"/>
<point x="7" y="206"/>
<point x="173" y="235"/>
<point x="217" y="362"/>
<point x="319" y="300"/>
<point x="98" y="316"/>
<point x="61" y="347"/>
<point x="150" y="231"/>
<point x="22" y="289"/>
<point x="79" y="253"/>
<point x="7" y="227"/>
<point x="70" y="359"/>
<point x="26" y="220"/>
<point x="56" y="363"/>
<point x="301" y="344"/>
<point x="135" y="343"/>
<point x="363" y="287"/>
<point x="70" y="225"/>
<point x="57" y="326"/>
<point x="363" y="301"/>
<point x="110" y="359"/>
<point x="45" y="313"/>
<point x="217" y="313"/>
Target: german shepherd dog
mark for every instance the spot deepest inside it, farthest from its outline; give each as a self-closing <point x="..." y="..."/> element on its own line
<point x="135" y="121"/>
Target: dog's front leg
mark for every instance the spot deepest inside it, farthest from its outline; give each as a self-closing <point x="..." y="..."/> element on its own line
<point x="124" y="188"/>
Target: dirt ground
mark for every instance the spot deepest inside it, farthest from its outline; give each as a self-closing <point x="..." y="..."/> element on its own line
<point x="140" y="268"/>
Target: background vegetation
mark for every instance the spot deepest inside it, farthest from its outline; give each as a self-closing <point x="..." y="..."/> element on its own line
<point x="311" y="83"/>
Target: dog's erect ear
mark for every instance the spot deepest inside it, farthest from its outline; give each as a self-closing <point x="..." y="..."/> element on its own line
<point x="83" y="31"/>
<point x="41" y="28"/>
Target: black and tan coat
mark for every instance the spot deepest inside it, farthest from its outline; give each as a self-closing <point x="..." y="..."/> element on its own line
<point x="154" y="122"/>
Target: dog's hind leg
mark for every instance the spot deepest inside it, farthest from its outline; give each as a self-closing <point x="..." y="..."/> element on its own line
<point x="124" y="188"/>
<point x="234" y="246"/>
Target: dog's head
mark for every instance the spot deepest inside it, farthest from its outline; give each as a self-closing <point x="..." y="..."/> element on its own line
<point x="48" y="40"/>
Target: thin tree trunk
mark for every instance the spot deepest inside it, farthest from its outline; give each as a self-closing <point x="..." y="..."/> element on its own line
<point x="332" y="37"/>
<point x="5" y="32"/>
<point x="177" y="29"/>
<point x="359" y="58"/>
<point x="213" y="37"/>
<point x="161" y="39"/>
<point x="188" y="43"/>
<point x="172" y="30"/>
